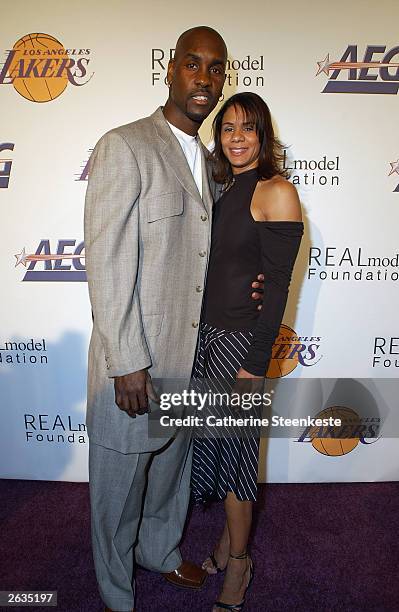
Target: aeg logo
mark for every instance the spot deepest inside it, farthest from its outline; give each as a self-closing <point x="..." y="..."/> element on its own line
<point x="369" y="76"/>
<point x="5" y="165"/>
<point x="53" y="268"/>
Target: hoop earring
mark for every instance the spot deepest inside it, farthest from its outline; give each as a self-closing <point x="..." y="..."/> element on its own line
<point x="221" y="98"/>
<point x="169" y="83"/>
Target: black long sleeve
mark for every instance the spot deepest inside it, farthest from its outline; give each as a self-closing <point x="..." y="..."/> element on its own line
<point x="280" y="241"/>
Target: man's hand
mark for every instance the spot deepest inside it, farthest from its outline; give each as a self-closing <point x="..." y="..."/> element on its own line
<point x="259" y="286"/>
<point x="132" y="392"/>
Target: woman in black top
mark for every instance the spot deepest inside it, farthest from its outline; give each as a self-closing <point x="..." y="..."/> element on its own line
<point x="256" y="226"/>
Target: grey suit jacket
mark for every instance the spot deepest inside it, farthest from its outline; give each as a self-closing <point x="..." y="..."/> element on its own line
<point x="147" y="240"/>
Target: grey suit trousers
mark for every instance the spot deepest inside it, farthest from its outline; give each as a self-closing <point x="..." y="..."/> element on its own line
<point x="128" y="526"/>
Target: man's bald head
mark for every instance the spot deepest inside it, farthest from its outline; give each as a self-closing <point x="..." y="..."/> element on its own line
<point x="195" y="77"/>
<point x="193" y="35"/>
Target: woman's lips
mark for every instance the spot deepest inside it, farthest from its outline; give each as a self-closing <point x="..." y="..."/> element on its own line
<point x="238" y="151"/>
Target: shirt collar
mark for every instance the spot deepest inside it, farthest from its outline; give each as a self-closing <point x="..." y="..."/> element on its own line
<point x="187" y="138"/>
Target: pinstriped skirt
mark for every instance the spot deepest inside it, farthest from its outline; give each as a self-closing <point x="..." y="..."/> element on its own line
<point x="231" y="463"/>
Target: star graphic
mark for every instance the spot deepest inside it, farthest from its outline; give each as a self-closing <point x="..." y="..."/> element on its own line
<point x="394" y="167"/>
<point x="21" y="258"/>
<point x="323" y="65"/>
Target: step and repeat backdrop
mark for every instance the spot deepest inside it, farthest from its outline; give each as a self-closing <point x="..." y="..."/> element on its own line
<point x="69" y="72"/>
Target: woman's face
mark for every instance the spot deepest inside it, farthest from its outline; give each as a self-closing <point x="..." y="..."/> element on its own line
<point x="239" y="140"/>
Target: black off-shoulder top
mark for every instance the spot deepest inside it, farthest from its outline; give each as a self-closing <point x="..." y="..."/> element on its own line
<point x="241" y="249"/>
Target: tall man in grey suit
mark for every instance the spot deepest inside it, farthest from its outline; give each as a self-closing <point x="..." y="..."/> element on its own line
<point x="147" y="237"/>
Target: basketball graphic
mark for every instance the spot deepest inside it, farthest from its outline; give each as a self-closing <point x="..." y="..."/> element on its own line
<point x="281" y="366"/>
<point x="39" y="67"/>
<point x="336" y="446"/>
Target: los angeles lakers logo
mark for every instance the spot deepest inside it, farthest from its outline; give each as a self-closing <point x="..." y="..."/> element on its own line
<point x="336" y="441"/>
<point x="40" y="67"/>
<point x="347" y="437"/>
<point x="291" y="350"/>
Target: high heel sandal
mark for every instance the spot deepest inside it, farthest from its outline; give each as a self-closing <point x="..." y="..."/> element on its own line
<point x="215" y="566"/>
<point x="238" y="607"/>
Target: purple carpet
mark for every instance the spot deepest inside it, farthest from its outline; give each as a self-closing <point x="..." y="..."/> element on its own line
<point x="316" y="547"/>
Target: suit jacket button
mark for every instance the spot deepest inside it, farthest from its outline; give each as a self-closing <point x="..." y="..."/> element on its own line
<point x="194" y="324"/>
<point x="198" y="288"/>
<point x="202" y="253"/>
<point x="204" y="218"/>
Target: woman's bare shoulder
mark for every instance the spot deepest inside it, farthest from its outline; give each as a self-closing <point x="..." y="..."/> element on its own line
<point x="276" y="200"/>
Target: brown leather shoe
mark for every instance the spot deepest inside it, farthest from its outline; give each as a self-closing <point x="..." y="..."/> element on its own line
<point x="187" y="576"/>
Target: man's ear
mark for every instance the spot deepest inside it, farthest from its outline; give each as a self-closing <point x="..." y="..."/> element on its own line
<point x="170" y="71"/>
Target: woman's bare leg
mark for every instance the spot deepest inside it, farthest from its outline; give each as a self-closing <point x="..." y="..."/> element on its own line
<point x="239" y="520"/>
